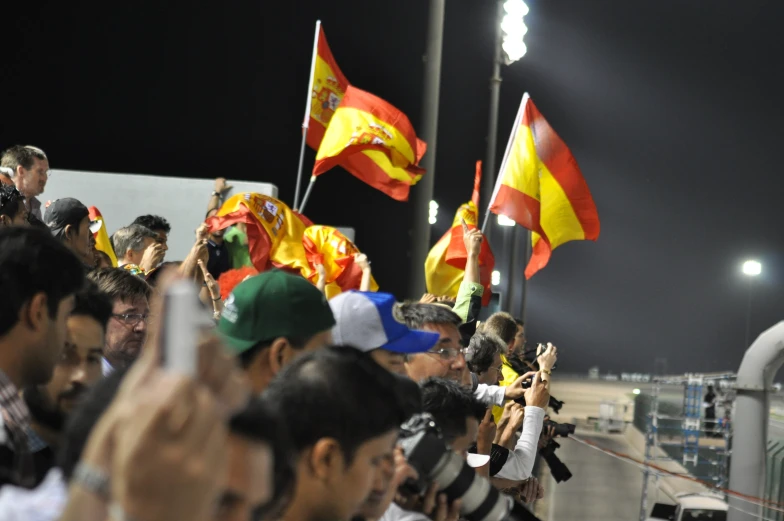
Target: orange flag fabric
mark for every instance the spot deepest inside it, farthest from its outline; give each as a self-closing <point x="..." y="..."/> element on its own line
<point x="102" y="242"/>
<point x="541" y="188"/>
<point x="329" y="86"/>
<point x="274" y="231"/>
<point x="375" y="142"/>
<point x="327" y="246"/>
<point x="445" y="264"/>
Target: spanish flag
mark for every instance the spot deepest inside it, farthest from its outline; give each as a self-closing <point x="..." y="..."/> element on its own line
<point x="327" y="246"/>
<point x="541" y="188"/>
<point x="327" y="89"/>
<point x="445" y="264"/>
<point x="102" y="242"/>
<point x="373" y="141"/>
<point x="274" y="231"/>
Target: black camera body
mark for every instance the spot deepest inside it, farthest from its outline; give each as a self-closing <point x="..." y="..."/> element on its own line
<point x="425" y="450"/>
<point x="558" y="470"/>
<point x="560" y="429"/>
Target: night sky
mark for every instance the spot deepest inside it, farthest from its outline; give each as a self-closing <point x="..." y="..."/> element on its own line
<point x="671" y="107"/>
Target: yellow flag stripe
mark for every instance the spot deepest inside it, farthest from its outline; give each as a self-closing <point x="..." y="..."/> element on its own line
<point x="382" y="161"/>
<point x="351" y="126"/>
<point x="522" y="166"/>
<point x="558" y="220"/>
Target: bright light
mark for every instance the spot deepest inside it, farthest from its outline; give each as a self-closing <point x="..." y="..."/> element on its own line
<point x="514" y="29"/>
<point x="516" y="8"/>
<point x="636" y="391"/>
<point x="752" y="268"/>
<point x="503" y="220"/>
<point x="495" y="278"/>
<point x="433" y="212"/>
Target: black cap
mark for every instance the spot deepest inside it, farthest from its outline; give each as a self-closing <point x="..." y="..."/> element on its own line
<point x="62" y="212"/>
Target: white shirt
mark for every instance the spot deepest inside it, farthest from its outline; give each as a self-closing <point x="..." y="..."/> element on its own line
<point x="44" y="503"/>
<point x="520" y="462"/>
<point x="490" y="394"/>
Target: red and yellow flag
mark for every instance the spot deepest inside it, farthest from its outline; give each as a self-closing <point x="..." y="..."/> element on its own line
<point x="373" y="141"/>
<point x="274" y="231"/>
<point x="102" y="242"/>
<point x="327" y="246"/>
<point x="445" y="264"/>
<point x="328" y="88"/>
<point x="541" y="188"/>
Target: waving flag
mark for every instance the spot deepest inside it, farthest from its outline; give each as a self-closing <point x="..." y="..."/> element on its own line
<point x="327" y="246"/>
<point x="445" y="264"/>
<point x="102" y="242"/>
<point x="541" y="188"/>
<point x="329" y="86"/>
<point x="373" y="141"/>
<point x="274" y="231"/>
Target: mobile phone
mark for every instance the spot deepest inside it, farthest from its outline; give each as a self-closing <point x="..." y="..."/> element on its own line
<point x="183" y="323"/>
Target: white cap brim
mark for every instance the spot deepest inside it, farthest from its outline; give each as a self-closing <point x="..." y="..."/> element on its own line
<point x="477" y="460"/>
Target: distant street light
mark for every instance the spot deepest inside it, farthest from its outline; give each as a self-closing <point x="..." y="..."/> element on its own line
<point x="752" y="269"/>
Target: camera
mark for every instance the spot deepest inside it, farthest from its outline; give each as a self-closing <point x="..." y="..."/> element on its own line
<point x="560" y="429"/>
<point x="558" y="470"/>
<point x="425" y="450"/>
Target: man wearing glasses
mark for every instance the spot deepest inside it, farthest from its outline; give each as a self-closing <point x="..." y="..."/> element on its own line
<point x="126" y="331"/>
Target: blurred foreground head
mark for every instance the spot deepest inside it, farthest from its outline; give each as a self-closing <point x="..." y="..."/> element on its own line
<point x="342" y="412"/>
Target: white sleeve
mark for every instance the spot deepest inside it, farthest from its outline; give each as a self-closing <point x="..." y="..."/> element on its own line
<point x="520" y="462"/>
<point x="490" y="394"/>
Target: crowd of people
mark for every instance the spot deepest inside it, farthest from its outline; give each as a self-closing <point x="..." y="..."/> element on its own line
<point x="295" y="410"/>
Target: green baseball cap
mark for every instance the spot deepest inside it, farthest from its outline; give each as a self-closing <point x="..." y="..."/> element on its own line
<point x="271" y="305"/>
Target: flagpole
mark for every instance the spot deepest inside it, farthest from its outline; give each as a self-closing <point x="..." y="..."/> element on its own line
<point x="306" y="122"/>
<point x="307" y="194"/>
<point x="499" y="178"/>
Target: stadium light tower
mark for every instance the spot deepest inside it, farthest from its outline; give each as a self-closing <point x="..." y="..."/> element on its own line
<point x="514" y="29"/>
<point x="509" y="48"/>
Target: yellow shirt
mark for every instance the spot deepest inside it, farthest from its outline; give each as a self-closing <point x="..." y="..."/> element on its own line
<point x="509" y="376"/>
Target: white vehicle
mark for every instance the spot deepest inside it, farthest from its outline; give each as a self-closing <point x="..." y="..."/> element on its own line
<point x="692" y="507"/>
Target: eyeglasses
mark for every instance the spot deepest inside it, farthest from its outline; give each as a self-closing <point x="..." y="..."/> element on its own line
<point x="132" y="319"/>
<point x="448" y="353"/>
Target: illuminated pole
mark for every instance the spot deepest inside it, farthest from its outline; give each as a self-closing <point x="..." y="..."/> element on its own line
<point x="423" y="192"/>
<point x="509" y="48"/>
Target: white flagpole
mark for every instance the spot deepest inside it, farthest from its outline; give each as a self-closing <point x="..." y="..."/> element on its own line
<point x="306" y="122"/>
<point x="499" y="179"/>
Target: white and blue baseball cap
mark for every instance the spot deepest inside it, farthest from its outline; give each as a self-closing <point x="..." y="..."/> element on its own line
<point x="365" y="320"/>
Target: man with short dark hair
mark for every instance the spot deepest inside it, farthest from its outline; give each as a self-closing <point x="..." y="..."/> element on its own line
<point x="137" y="246"/>
<point x="69" y="221"/>
<point x="126" y="330"/>
<point x="39" y="277"/>
<point x="29" y="170"/>
<point x="13" y="211"/>
<point x="271" y="319"/>
<point x="457" y="414"/>
<point x="78" y="369"/>
<point x="484" y="357"/>
<point x="342" y="412"/>
<point x="158" y="225"/>
<point x="446" y="358"/>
